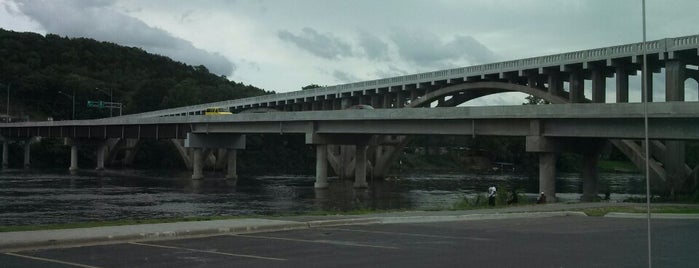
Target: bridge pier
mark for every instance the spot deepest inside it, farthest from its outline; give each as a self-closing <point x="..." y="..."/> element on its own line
<point x="197" y="164"/>
<point x="360" y="167"/>
<point x="321" y="166"/>
<point x="27" y="153"/>
<point x="101" y="152"/>
<point x="4" y="154"/>
<point x="199" y="142"/>
<point x="590" y="176"/>
<point x="73" y="158"/>
<point x="231" y="162"/>
<point x="547" y="175"/>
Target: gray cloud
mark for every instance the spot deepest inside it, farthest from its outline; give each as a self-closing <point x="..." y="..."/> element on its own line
<point x="428" y="49"/>
<point x="344" y="77"/>
<point x="322" y="45"/>
<point x="375" y="48"/>
<point x="99" y="20"/>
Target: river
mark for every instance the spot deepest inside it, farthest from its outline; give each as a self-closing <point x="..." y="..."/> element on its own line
<point x="55" y="196"/>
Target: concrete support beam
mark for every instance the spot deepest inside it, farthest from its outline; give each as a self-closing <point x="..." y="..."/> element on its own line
<point x="675" y="74"/>
<point x="375" y="101"/>
<point x="360" y="167"/>
<point x="590" y="176"/>
<point x="400" y="100"/>
<point x="73" y="158"/>
<point x="555" y="83"/>
<point x="547" y="175"/>
<point x="321" y="166"/>
<point x="649" y="88"/>
<point x="386" y="100"/>
<point x="215" y="141"/>
<point x="577" y="87"/>
<point x="675" y="166"/>
<point x="197" y="164"/>
<point x="346" y="102"/>
<point x="101" y="151"/>
<point x="599" y="93"/>
<point x="27" y="154"/>
<point x="622" y="85"/>
<point x="5" y="154"/>
<point x="231" y="162"/>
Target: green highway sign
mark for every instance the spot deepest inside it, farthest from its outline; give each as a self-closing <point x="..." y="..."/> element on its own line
<point x="95" y="104"/>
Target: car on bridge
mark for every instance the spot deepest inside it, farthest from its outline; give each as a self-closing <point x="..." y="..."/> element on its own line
<point x="216" y="111"/>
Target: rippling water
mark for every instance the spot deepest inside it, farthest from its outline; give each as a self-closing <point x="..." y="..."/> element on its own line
<point x="57" y="197"/>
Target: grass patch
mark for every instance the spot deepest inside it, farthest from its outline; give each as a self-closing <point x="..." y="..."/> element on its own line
<point x="21" y="228"/>
<point x="110" y="223"/>
<point x="599" y="212"/>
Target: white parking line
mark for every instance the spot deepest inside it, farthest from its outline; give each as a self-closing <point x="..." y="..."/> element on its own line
<point x="50" y="260"/>
<point x="332" y="242"/>
<point x="411" y="234"/>
<point x="209" y="251"/>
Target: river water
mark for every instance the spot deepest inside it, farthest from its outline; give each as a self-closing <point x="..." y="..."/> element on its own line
<point x="45" y="197"/>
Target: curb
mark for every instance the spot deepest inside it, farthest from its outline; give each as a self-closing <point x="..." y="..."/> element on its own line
<point x="474" y="217"/>
<point x="15" y="241"/>
<point x="53" y="238"/>
<point x="676" y="216"/>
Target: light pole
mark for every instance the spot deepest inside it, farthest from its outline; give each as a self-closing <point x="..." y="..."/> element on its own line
<point x="110" y="98"/>
<point x="72" y="98"/>
<point x="8" y="104"/>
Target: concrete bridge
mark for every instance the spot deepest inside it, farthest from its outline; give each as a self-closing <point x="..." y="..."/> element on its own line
<point x="574" y="122"/>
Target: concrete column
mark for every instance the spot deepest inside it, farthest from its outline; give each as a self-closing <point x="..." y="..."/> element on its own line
<point x="197" y="164"/>
<point x="413" y="94"/>
<point x="599" y="90"/>
<point x="400" y="101"/>
<point x="622" y="85"/>
<point x="231" y="162"/>
<point x="577" y="87"/>
<point x="650" y="87"/>
<point x="346" y="102"/>
<point x="386" y="100"/>
<point x="375" y="102"/>
<point x="675" y="166"/>
<point x="360" y="167"/>
<point x="321" y="166"/>
<point x="73" y="157"/>
<point x="101" y="150"/>
<point x="27" y="154"/>
<point x="547" y="175"/>
<point x="555" y="83"/>
<point x="4" y="155"/>
<point x="589" y="176"/>
<point x="675" y="75"/>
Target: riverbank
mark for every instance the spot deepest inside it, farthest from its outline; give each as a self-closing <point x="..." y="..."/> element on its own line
<point x="597" y="209"/>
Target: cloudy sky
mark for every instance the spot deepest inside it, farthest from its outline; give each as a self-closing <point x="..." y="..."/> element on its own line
<point x="282" y="45"/>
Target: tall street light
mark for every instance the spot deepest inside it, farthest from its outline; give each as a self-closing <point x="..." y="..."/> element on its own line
<point x="110" y="93"/>
<point x="72" y="98"/>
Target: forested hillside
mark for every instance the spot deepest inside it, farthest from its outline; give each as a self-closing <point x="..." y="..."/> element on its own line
<point x="37" y="67"/>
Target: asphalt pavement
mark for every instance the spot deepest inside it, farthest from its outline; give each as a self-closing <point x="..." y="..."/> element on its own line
<point x="527" y="236"/>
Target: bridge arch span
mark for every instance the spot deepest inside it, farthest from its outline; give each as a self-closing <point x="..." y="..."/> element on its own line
<point x="468" y="91"/>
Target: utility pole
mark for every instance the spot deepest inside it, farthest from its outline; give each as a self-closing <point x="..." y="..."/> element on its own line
<point x="111" y="98"/>
<point x="8" y="103"/>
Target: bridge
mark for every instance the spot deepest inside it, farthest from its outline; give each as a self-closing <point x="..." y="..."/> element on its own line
<point x="357" y="142"/>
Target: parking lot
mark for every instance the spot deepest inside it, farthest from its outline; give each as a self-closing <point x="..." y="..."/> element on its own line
<point x="542" y="242"/>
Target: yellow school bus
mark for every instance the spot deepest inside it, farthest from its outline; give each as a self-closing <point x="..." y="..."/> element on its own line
<point x="216" y="111"/>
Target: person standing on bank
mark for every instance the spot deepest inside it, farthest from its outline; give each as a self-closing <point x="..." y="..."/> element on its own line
<point x="491" y="195"/>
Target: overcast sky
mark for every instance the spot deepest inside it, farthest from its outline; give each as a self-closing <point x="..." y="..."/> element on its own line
<point x="282" y="45"/>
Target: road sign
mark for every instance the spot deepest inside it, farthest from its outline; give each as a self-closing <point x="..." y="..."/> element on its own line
<point x="95" y="104"/>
